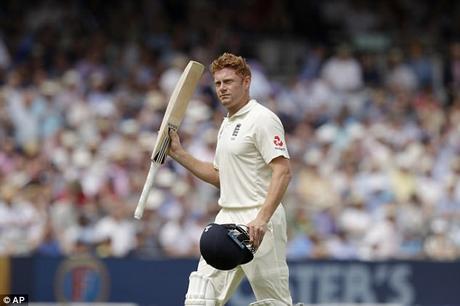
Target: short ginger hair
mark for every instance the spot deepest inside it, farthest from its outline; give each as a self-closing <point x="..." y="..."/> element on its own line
<point x="229" y="60"/>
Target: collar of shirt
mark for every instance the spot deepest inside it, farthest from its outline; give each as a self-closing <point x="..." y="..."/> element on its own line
<point x="246" y="108"/>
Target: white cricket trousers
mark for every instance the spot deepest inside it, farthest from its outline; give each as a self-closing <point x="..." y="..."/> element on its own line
<point x="268" y="272"/>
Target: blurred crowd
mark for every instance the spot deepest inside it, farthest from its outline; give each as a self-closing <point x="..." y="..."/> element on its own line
<point x="374" y="136"/>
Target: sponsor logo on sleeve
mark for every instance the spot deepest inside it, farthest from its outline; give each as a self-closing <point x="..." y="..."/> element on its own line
<point x="279" y="144"/>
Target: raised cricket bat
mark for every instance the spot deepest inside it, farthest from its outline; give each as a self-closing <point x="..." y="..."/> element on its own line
<point x="172" y="119"/>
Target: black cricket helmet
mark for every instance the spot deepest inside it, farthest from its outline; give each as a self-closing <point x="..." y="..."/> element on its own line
<point x="226" y="246"/>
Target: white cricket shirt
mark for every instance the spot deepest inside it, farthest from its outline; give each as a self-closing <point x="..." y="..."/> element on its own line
<point x="247" y="142"/>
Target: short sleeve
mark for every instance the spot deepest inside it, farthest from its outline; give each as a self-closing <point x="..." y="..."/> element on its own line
<point x="270" y="137"/>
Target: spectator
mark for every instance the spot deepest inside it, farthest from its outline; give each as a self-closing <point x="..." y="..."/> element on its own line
<point x="354" y="219"/>
<point x="18" y="220"/>
<point x="421" y="64"/>
<point x="342" y="71"/>
<point x="115" y="232"/>
<point x="438" y="245"/>
<point x="400" y="77"/>
<point x="382" y="240"/>
<point x="180" y="236"/>
<point x="339" y="246"/>
<point x="452" y="70"/>
<point x="83" y="232"/>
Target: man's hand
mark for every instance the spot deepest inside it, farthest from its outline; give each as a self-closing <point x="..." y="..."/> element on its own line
<point x="175" y="148"/>
<point x="257" y="229"/>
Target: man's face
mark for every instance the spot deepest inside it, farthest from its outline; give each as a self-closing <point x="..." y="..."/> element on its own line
<point x="231" y="89"/>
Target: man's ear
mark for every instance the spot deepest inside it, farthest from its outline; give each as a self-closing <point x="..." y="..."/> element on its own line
<point x="247" y="82"/>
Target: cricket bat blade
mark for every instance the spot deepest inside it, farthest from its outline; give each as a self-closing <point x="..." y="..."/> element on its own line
<point x="175" y="112"/>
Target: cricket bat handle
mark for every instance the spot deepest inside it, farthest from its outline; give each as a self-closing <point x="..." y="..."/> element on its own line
<point x="146" y="190"/>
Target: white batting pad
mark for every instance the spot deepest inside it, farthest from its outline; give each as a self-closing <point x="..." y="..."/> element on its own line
<point x="200" y="291"/>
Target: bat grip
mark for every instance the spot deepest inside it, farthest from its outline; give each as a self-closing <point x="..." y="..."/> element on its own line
<point x="146" y="190"/>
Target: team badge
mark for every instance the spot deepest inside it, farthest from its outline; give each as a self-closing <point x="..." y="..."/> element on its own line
<point x="235" y="131"/>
